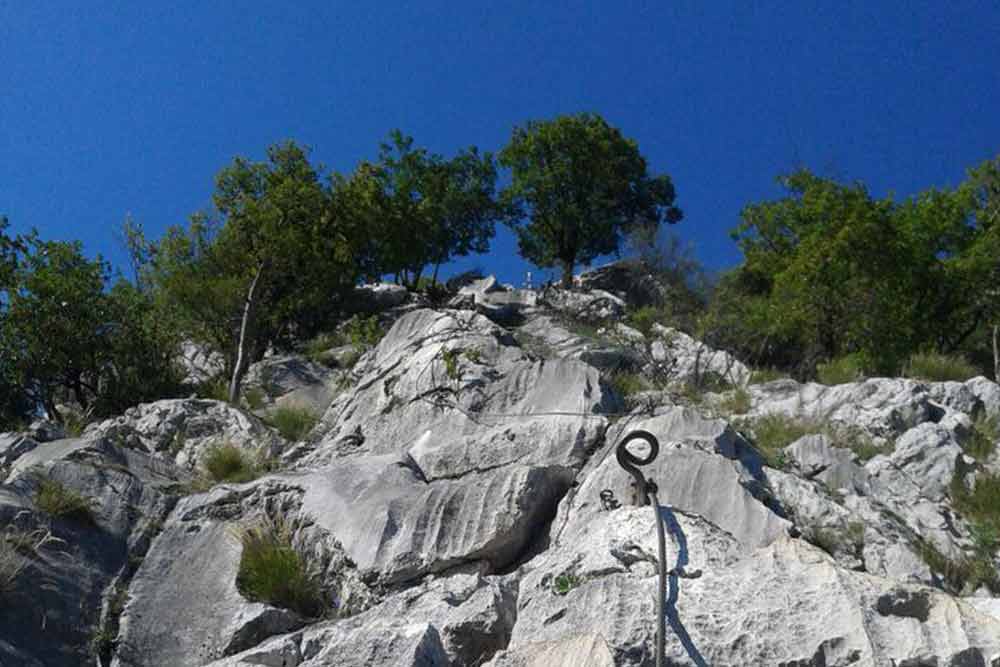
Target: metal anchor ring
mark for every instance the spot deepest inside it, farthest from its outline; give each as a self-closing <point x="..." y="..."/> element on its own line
<point x="630" y="462"/>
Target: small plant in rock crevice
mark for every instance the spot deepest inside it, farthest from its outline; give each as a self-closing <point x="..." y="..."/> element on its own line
<point x="272" y="570"/>
<point x="292" y="423"/>
<point x="451" y="360"/>
<point x="229" y="463"/>
<point x="16" y="546"/>
<point x="56" y="499"/>
<point x="981" y="442"/>
<point x="736" y="402"/>
<point x="936" y="367"/>
<point x="565" y="582"/>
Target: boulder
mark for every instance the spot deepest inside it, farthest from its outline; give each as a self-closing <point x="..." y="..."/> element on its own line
<point x="584" y="306"/>
<point x="183" y="430"/>
<point x="381" y="296"/>
<point x="690" y="361"/>
<point x="291" y="381"/>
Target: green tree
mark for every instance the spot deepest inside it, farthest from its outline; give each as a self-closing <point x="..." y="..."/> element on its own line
<point x="577" y="187"/>
<point x="273" y="256"/>
<point x="420" y="209"/>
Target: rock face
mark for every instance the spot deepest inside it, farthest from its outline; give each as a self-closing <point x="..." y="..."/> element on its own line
<point x="460" y="503"/>
<point x="183" y="430"/>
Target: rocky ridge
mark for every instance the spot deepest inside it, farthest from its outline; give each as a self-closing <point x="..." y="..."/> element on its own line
<point x="459" y="503"/>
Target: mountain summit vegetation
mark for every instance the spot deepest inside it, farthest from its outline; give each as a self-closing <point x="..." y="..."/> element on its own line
<point x="831" y="274"/>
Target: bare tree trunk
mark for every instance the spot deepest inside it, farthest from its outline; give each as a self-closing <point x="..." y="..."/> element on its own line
<point x="435" y="279"/>
<point x="996" y="353"/>
<point x="249" y="308"/>
<point x="567" y="276"/>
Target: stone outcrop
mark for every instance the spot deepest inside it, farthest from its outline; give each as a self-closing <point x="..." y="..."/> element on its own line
<point x="460" y="503"/>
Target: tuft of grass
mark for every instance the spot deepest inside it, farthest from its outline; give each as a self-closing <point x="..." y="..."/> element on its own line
<point x="936" y="367"/>
<point x="229" y="463"/>
<point x="273" y="571"/>
<point x="643" y="319"/>
<point x="450" y="358"/>
<point x="215" y="389"/>
<point x="763" y="375"/>
<point x="565" y="582"/>
<point x="293" y="423"/>
<point x="963" y="574"/>
<point x="841" y="370"/>
<point x="770" y="434"/>
<point x="981" y="505"/>
<point x="316" y="349"/>
<point x="74" y="423"/>
<point x="982" y="441"/>
<point x="858" y="441"/>
<point x="16" y="546"/>
<point x="57" y="500"/>
<point x="625" y="383"/>
<point x="736" y="402"/>
<point x="364" y="332"/>
<point x="255" y="397"/>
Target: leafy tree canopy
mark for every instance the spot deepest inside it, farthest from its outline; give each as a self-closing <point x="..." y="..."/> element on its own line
<point x="419" y="209"/>
<point x="578" y="186"/>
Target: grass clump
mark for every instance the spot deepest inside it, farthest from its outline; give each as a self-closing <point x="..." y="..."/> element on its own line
<point x="770" y="435"/>
<point x="936" y="367"/>
<point x="229" y="463"/>
<point x="364" y="332"/>
<point x="450" y="358"/>
<point x="764" y="375"/>
<point x="216" y="389"/>
<point x="16" y="546"/>
<point x="981" y="505"/>
<point x="841" y="370"/>
<point x="293" y="423"/>
<point x="858" y="441"/>
<point x="255" y="397"/>
<point x="962" y="574"/>
<point x="56" y="499"/>
<point x="736" y="402"/>
<point x="273" y="571"/>
<point x="625" y="383"/>
<point x="643" y="319"/>
<point x="981" y="443"/>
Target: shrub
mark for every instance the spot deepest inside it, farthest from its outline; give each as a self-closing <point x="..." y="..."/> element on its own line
<point x="316" y="349"/>
<point x="56" y="499"/>
<point x="216" y="389"/>
<point x="273" y="571"/>
<point x="643" y="319"/>
<point x="963" y="573"/>
<point x="841" y="370"/>
<point x="364" y="332"/>
<point x="293" y="423"/>
<point x="228" y="463"/>
<point x="936" y="367"/>
<point x="565" y="582"/>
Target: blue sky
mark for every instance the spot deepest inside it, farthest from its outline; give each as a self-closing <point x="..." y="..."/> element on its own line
<point x="114" y="108"/>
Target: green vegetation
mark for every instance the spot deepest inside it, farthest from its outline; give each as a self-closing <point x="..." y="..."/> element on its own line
<point x="935" y="367"/>
<point x="981" y="505"/>
<point x="735" y="402"/>
<point x="982" y="441"/>
<point x="565" y="582"/>
<point x="643" y="319"/>
<point x="52" y="497"/>
<point x="273" y="571"/>
<point x="417" y="208"/>
<point x="844" y="369"/>
<point x="364" y="332"/>
<point x="16" y="546"/>
<point x="772" y="433"/>
<point x="962" y="575"/>
<point x="765" y="375"/>
<point x="292" y="423"/>
<point x="578" y="185"/>
<point x="255" y="398"/>
<point x="625" y="383"/>
<point x="450" y="358"/>
<point x="229" y="463"/>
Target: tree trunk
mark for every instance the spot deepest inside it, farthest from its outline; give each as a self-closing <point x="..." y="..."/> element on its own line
<point x="249" y="310"/>
<point x="996" y="353"/>
<point x="567" y="276"/>
<point x="434" y="281"/>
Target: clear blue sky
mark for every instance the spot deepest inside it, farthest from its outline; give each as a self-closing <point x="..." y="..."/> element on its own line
<point x="109" y="108"/>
